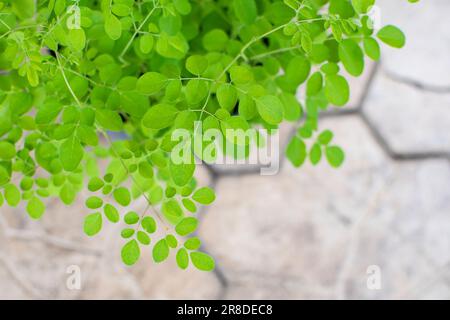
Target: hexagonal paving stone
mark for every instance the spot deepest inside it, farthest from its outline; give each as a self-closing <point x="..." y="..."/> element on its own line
<point x="405" y="234"/>
<point x="410" y="120"/>
<point x="424" y="59"/>
<point x="303" y="213"/>
<point x="300" y="227"/>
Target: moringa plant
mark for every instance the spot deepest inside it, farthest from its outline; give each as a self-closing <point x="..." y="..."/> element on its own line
<point x="75" y="71"/>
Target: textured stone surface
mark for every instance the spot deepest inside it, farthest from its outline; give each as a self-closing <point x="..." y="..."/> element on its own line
<point x="424" y="59"/>
<point x="408" y="119"/>
<point x="313" y="232"/>
<point x="279" y="226"/>
<point x="405" y="233"/>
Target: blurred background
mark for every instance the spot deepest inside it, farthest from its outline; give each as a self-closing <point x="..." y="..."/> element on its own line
<point x="378" y="228"/>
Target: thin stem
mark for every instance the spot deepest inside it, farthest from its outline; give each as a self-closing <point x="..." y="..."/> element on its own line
<point x="129" y="173"/>
<point x="267" y="54"/>
<point x="124" y="51"/>
<point x="67" y="81"/>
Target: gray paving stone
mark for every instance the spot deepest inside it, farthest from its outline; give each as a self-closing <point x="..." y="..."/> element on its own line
<point x="410" y="240"/>
<point x="408" y="119"/>
<point x="278" y="225"/>
<point x="424" y="59"/>
<point x="274" y="289"/>
<point x="321" y="228"/>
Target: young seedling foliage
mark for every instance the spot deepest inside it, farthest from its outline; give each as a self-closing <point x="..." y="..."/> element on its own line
<point x="73" y="73"/>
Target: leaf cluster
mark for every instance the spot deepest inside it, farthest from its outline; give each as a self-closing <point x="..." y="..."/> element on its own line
<point x="76" y="73"/>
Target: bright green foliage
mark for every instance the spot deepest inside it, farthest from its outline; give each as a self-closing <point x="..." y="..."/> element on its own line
<point x="202" y="261"/>
<point x="146" y="68"/>
<point x="35" y="208"/>
<point x="186" y="226"/>
<point x="130" y="252"/>
<point x="392" y="36"/>
<point x="161" y="251"/>
<point x="204" y="196"/>
<point x="93" y="224"/>
<point x="182" y="258"/>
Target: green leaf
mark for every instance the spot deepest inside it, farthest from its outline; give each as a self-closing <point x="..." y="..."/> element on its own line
<point x="186" y="226"/>
<point x="172" y="47"/>
<point x="130" y="253"/>
<point x="337" y="90"/>
<point x="270" y="109"/>
<point x="196" y="91"/>
<point x="314" y="84"/>
<point x="151" y="83"/>
<point x="35" y="208"/>
<point x="392" y="36"/>
<point x="315" y="154"/>
<point x="156" y="195"/>
<point x="4" y="176"/>
<point x="113" y="27"/>
<point x="362" y="6"/>
<point x="196" y="64"/>
<point x="227" y="96"/>
<point x="71" y="153"/>
<point x="296" y="152"/>
<point x="215" y="40"/>
<point x="143" y="238"/>
<point x="109" y="119"/>
<point x="121" y="10"/>
<point x="24" y="9"/>
<point x="160" y="116"/>
<point x="94" y="202"/>
<point x="204" y="196"/>
<point x="127" y="233"/>
<point x="77" y="39"/>
<point x="131" y="218"/>
<point x="335" y="156"/>
<point x="111" y="213"/>
<point x="372" y="48"/>
<point x="87" y="135"/>
<point x="146" y="43"/>
<point x="93" y="224"/>
<point x="182" y="258"/>
<point x="202" y="261"/>
<point x="189" y="205"/>
<point x="149" y="224"/>
<point x="352" y="57"/>
<point x="172" y="242"/>
<point x="193" y="243"/>
<point x="7" y="150"/>
<point x="181" y="173"/>
<point x="291" y="106"/>
<point x="245" y="10"/>
<point x="122" y="196"/>
<point x="67" y="194"/>
<point x="241" y="75"/>
<point x="160" y="251"/>
<point x="325" y="137"/>
<point x="172" y="211"/>
<point x="182" y="6"/>
<point x="95" y="184"/>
